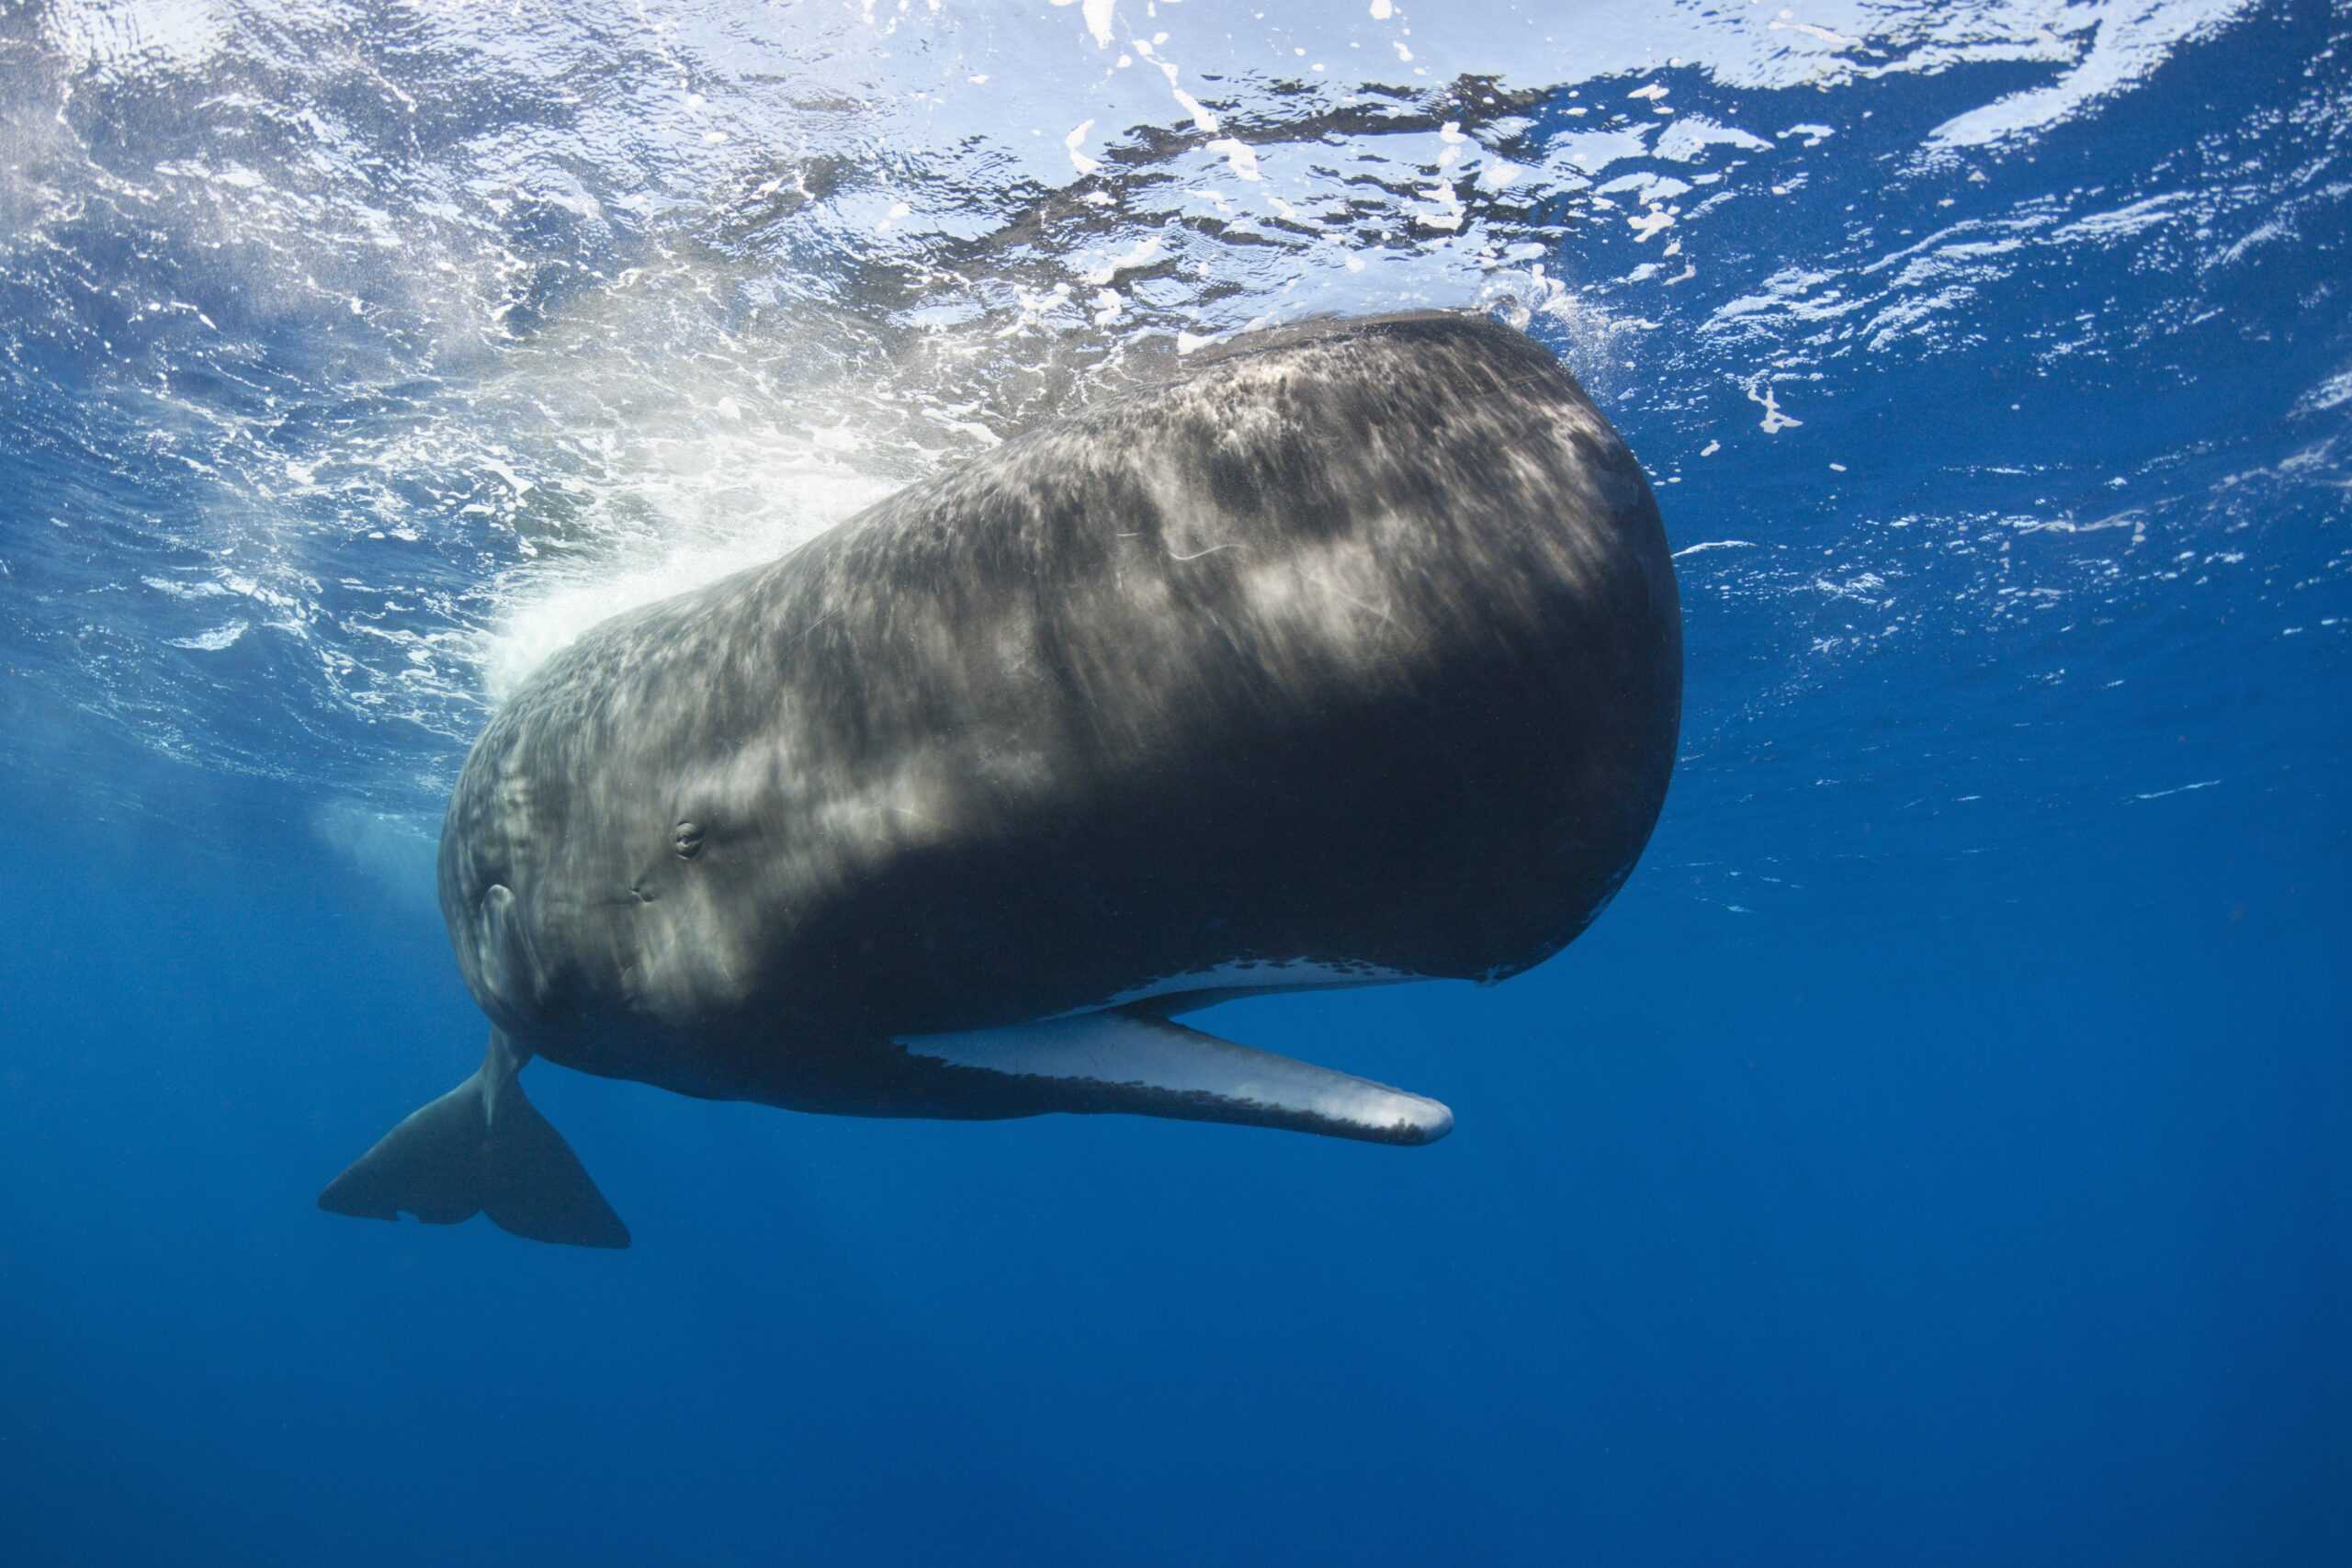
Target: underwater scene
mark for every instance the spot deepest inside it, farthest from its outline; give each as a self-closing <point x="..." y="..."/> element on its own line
<point x="1356" y="782"/>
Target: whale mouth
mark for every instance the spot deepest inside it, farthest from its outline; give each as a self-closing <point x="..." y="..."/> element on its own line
<point x="1136" y="1061"/>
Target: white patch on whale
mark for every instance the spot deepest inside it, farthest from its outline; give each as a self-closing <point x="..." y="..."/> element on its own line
<point x="1140" y="1062"/>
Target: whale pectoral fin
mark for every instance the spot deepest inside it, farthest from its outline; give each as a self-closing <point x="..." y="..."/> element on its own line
<point x="1134" y="1060"/>
<point x="481" y="1146"/>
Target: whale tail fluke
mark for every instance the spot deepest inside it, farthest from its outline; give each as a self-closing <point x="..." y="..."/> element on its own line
<point x="482" y="1147"/>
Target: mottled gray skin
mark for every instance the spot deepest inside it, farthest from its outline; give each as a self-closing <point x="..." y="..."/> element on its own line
<point x="1356" y="643"/>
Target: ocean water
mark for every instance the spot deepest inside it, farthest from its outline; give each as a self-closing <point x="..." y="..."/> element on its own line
<point x="1939" y="1153"/>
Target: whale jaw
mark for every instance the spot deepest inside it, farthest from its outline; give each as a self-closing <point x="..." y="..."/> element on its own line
<point x="1136" y="1061"/>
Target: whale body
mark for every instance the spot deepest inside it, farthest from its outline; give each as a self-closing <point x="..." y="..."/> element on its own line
<point x="1350" y="655"/>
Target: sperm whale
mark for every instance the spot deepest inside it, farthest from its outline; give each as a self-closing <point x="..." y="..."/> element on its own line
<point x="1349" y="655"/>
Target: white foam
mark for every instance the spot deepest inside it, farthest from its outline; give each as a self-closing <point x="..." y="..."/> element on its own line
<point x="1774" y="420"/>
<point x="2177" y="789"/>
<point x="553" y="612"/>
<point x="222" y="636"/>
<point x="1238" y="156"/>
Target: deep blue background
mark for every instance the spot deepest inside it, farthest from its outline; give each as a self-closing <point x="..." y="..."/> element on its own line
<point x="1938" y="1155"/>
<point x="2011" y="1231"/>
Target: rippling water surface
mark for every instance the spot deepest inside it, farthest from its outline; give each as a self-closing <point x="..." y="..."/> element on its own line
<point x="1994" y="366"/>
<point x="357" y="357"/>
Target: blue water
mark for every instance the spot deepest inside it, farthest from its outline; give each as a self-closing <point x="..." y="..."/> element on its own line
<point x="1938" y="1155"/>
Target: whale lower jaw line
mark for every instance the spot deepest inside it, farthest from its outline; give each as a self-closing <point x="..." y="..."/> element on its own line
<point x="1197" y="988"/>
<point x="1136" y="1060"/>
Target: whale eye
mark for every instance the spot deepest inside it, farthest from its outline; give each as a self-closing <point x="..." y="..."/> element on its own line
<point x="688" y="839"/>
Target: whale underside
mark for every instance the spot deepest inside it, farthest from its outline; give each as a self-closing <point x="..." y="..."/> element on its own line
<point x="1349" y="656"/>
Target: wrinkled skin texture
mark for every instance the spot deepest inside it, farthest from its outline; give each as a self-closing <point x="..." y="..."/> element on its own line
<point x="1357" y="643"/>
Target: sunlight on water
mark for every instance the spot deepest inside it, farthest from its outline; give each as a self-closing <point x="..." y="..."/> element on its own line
<point x="367" y="364"/>
<point x="788" y="504"/>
